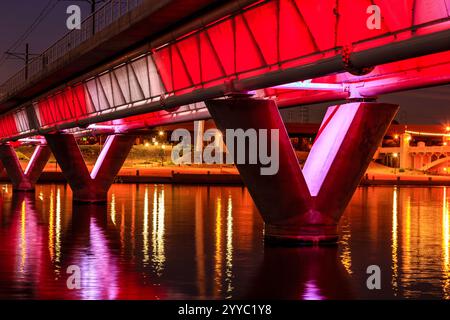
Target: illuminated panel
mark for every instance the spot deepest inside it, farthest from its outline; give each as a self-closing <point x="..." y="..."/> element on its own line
<point x="392" y="77"/>
<point x="21" y="119"/>
<point x="8" y="126"/>
<point x="408" y="74"/>
<point x="70" y="103"/>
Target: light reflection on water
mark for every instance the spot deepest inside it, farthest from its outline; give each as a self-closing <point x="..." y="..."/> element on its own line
<point x="192" y="242"/>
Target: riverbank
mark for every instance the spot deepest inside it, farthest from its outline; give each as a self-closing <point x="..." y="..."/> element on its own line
<point x="228" y="175"/>
<point x="167" y="174"/>
<point x="404" y="180"/>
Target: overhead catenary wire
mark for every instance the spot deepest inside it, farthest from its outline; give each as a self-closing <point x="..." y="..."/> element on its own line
<point x="46" y="10"/>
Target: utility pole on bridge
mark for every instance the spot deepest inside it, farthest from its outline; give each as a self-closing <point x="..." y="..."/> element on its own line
<point x="22" y="56"/>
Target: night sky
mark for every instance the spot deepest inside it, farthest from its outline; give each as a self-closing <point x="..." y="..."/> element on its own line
<point x="17" y="15"/>
<point x="424" y="106"/>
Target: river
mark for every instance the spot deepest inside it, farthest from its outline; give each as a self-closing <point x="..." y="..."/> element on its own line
<point x="206" y="242"/>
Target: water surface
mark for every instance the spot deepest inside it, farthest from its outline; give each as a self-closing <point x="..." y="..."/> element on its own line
<point x="199" y="242"/>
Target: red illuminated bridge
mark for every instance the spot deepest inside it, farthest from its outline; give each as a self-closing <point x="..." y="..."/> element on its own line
<point x="143" y="63"/>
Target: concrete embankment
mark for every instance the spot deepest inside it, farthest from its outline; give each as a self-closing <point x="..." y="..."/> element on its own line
<point x="175" y="178"/>
<point x="406" y="181"/>
<point x="185" y="178"/>
<point x="230" y="177"/>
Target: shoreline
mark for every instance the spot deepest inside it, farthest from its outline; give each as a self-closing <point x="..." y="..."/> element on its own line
<point x="216" y="177"/>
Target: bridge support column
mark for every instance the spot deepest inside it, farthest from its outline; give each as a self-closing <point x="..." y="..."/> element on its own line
<point x="24" y="180"/>
<point x="405" y="157"/>
<point x="94" y="186"/>
<point x="305" y="205"/>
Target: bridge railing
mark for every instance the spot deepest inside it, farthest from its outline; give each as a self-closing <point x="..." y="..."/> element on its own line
<point x="108" y="13"/>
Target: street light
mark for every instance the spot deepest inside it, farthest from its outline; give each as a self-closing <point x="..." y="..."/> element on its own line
<point x="395" y="156"/>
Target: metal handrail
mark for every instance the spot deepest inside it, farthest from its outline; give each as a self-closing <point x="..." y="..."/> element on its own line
<point x="108" y="13"/>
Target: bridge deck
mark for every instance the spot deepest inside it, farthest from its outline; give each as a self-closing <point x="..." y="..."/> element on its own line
<point x="262" y="45"/>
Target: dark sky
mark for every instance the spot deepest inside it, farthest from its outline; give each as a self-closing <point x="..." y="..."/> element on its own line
<point x="17" y="15"/>
<point x="422" y="106"/>
<point x="430" y="105"/>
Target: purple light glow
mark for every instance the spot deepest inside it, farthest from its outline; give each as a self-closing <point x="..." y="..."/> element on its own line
<point x="333" y="130"/>
<point x="102" y="156"/>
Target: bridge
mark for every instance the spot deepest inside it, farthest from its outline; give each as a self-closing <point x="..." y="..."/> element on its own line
<point x="414" y="153"/>
<point x="136" y="64"/>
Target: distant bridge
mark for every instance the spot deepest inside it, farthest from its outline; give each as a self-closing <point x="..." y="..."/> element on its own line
<point x="419" y="157"/>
